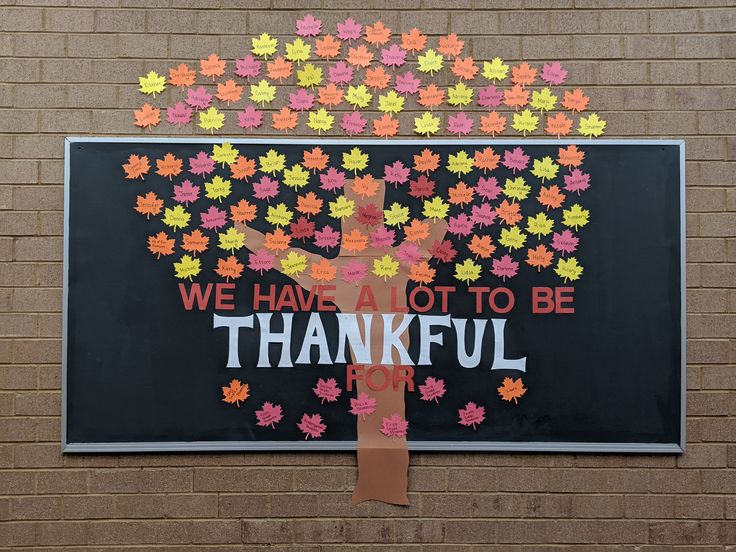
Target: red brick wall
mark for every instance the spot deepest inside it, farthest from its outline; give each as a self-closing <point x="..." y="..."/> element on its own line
<point x="653" y="68"/>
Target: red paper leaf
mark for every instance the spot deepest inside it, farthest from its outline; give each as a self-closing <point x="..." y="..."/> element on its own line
<point x="269" y="415"/>
<point x="363" y="406"/>
<point x="433" y="389"/>
<point x="312" y="426"/>
<point x="327" y="390"/>
<point x="394" y="426"/>
<point x="472" y="414"/>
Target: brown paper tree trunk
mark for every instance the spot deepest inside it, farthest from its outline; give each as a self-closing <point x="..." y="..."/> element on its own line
<point x="383" y="462"/>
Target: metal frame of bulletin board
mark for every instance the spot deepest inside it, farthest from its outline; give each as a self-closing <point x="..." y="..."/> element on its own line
<point x="318" y="445"/>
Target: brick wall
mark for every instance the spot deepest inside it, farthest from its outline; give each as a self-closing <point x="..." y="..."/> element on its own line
<point x="659" y="68"/>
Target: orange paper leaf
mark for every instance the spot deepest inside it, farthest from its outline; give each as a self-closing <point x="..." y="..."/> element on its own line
<point x="377" y="34"/>
<point x="482" y="246"/>
<point x="161" y="244"/>
<point x="231" y="268"/>
<point x="279" y="69"/>
<point x="243" y="168"/>
<point x="285" y="119"/>
<point x="493" y="123"/>
<point x="511" y="389"/>
<point x="309" y="204"/>
<point x="427" y="161"/>
<point x="414" y="40"/>
<point x="229" y="91"/>
<point x="431" y="96"/>
<point x="315" y="160"/>
<point x="377" y="78"/>
<point x="147" y="116"/>
<point x="558" y="125"/>
<point x="486" y="159"/>
<point x="385" y="126"/>
<point x="213" y="66"/>
<point x="182" y="75"/>
<point x="523" y="74"/>
<point x="136" y="167"/>
<point x="243" y="211"/>
<point x="169" y="166"/>
<point x="327" y="47"/>
<point x="195" y="242"/>
<point x="235" y="392"/>
<point x="465" y="68"/>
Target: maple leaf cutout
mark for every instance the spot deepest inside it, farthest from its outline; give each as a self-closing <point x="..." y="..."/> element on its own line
<point x="471" y="415"/>
<point x="229" y="268"/>
<point x="311" y="426"/>
<point x="511" y="390"/>
<point x="269" y="415"/>
<point x="149" y="204"/>
<point x="235" y="392"/>
<point x="147" y="116"/>
<point x="136" y="167"/>
<point x="394" y="426"/>
<point x="432" y="389"/>
<point x="161" y="244"/>
<point x="327" y="390"/>
<point x="364" y="405"/>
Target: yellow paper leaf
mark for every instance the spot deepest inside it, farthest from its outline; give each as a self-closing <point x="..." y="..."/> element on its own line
<point x="211" y="119"/>
<point x="152" y="83"/>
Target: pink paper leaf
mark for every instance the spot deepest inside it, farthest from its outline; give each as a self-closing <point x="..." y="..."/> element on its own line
<point x="553" y="73"/>
<point x="248" y="67"/>
<point x="505" y="267"/>
<point x="393" y="56"/>
<point x="308" y="26"/>
<point x="433" y="389"/>
<point x="408" y="254"/>
<point x="326" y="238"/>
<point x="515" y="159"/>
<point x="312" y="426"/>
<point x="396" y="173"/>
<point x="577" y="181"/>
<point x="201" y="164"/>
<point x="382" y="238"/>
<point x="353" y="272"/>
<point x="407" y="83"/>
<point x="213" y="218"/>
<point x="266" y="188"/>
<point x="363" y="406"/>
<point x="459" y="124"/>
<point x="472" y="414"/>
<point x="490" y="96"/>
<point x="340" y="73"/>
<point x="488" y="188"/>
<point x="269" y="415"/>
<point x="564" y="242"/>
<point x="353" y="123"/>
<point x="186" y="192"/>
<point x="301" y="100"/>
<point x="349" y="30"/>
<point x="327" y="390"/>
<point x="460" y="225"/>
<point x="483" y="215"/>
<point x="198" y="98"/>
<point x="394" y="426"/>
<point x="250" y="117"/>
<point x="179" y="114"/>
<point x="332" y="180"/>
<point x="261" y="260"/>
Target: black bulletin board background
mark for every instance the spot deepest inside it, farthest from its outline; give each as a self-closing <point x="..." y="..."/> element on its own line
<point x="141" y="369"/>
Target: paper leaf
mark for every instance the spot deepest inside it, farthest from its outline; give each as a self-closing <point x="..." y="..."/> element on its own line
<point x="359" y="56"/>
<point x="149" y="204"/>
<point x="327" y="47"/>
<point x="332" y="180"/>
<point x="539" y="225"/>
<point x="198" y="98"/>
<point x="483" y="215"/>
<point x="277" y="240"/>
<point x="382" y="238"/>
<point x="570" y="156"/>
<point x="464" y="68"/>
<point x="294" y="264"/>
<point x="309" y="204"/>
<point x="182" y="76"/>
<point x="577" y="181"/>
<point x="147" y="116"/>
<point x="540" y="257"/>
<point x="575" y="216"/>
<point x="349" y="30"/>
<point x="427" y="124"/>
<point x="315" y="159"/>
<point x="187" y="267"/>
<point x="326" y="238"/>
<point x="364" y="405"/>
<point x="493" y="123"/>
<point x="435" y="208"/>
<point x="152" y="83"/>
<point x="385" y="267"/>
<point x="243" y="212"/>
<point x="396" y="173"/>
<point x="279" y="215"/>
<point x="311" y="426"/>
<point x="421" y="187"/>
<point x="523" y="74"/>
<point x="505" y="267"/>
<point x="264" y="45"/>
<point x="377" y="78"/>
<point x="217" y="189"/>
<point x="553" y="73"/>
<point x="201" y="164"/>
<point x="495" y="70"/>
<point x="136" y="167"/>
<point x="408" y="254"/>
<point x="422" y="273"/>
<point x="431" y="96"/>
<point x="224" y="154"/>
<point x="358" y="96"/>
<point x="558" y="124"/>
<point x="235" y="392"/>
<point x="516" y="97"/>
<point x="564" y="242"/>
<point x="353" y="123"/>
<point x="321" y="121"/>
<point x="471" y="415"/>
<point x="285" y="119"/>
<point x="591" y="126"/>
<point x="179" y="114"/>
<point x="488" y="188"/>
<point x="329" y="95"/>
<point x="407" y="83"/>
<point x="279" y="69"/>
<point x="551" y="197"/>
<point x="545" y="168"/>
<point x="169" y="167"/>
<point x="354" y="272"/>
<point x="416" y="231"/>
<point x="296" y="177"/>
<point x="396" y="215"/>
<point x="327" y="390"/>
<point x="262" y="92"/>
<point x="261" y="261"/>
<point x="511" y="389"/>
<point x="355" y="160"/>
<point x="213" y="218"/>
<point x="365" y="186"/>
<point x="394" y="426"/>
<point x="298" y="50"/>
<point x="309" y="76"/>
<point x="468" y="271"/>
<point x="427" y="161"/>
<point x="433" y="389"/>
<point x="272" y="162"/>
<point x="340" y="73"/>
<point x="509" y="213"/>
<point x="229" y="91"/>
<point x="186" y="192"/>
<point x="543" y="99"/>
<point x="490" y="96"/>
<point x="213" y="66"/>
<point x="341" y="208"/>
<point x="323" y="271"/>
<point x="269" y="415"/>
<point x="211" y="119"/>
<point x="250" y="117"/>
<point x="229" y="268"/>
<point x="482" y="247"/>
<point x="369" y="215"/>
<point x="459" y="124"/>
<point x="450" y="45"/>
<point x="414" y="40"/>
<point x="248" y="67"/>
<point x="308" y="26"/>
<point x="460" y="194"/>
<point x="430" y="62"/>
<point x="243" y="168"/>
<point x="377" y="34"/>
<point x="512" y="238"/>
<point x="390" y="102"/>
<point x="459" y="95"/>
<point x="459" y="163"/>
<point x="385" y="126"/>
<point x="515" y="159"/>
<point x="301" y="100"/>
<point x="195" y="242"/>
<point x="575" y="100"/>
<point x="393" y="56"/>
<point x="525" y="122"/>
